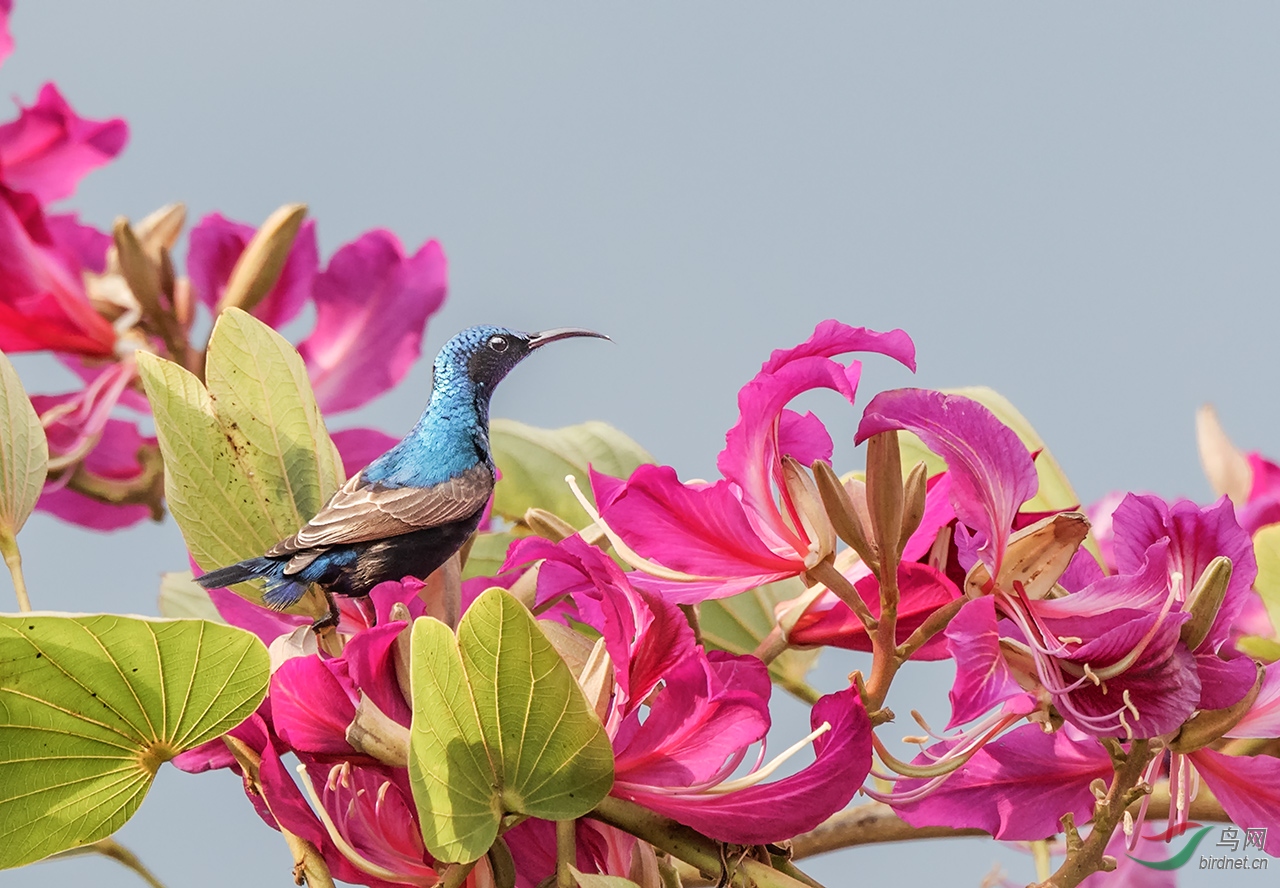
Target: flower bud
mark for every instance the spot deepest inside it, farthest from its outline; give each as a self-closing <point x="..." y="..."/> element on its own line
<point x="378" y="735"/>
<point x="259" y="266"/>
<point x="1204" y="601"/>
<point x="842" y="513"/>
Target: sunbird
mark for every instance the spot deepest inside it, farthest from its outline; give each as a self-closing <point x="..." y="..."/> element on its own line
<point x="407" y="512"/>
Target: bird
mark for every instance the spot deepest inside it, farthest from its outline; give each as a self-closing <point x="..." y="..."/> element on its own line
<point x="407" y="512"/>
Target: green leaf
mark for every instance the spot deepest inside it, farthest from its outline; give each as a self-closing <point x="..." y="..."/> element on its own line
<point x="488" y="552"/>
<point x="534" y="462"/>
<point x="739" y="623"/>
<point x="93" y="705"/>
<point x="24" y="452"/>
<point x="500" y="726"/>
<point x="1265" y="649"/>
<point x="1266" y="548"/>
<point x="182" y="598"/>
<point x="1055" y="491"/>
<point x="593" y="880"/>
<point x="247" y="461"/>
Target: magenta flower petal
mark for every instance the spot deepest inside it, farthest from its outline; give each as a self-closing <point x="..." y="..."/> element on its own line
<point x="312" y="705"/>
<point x="217" y="244"/>
<point x="359" y="447"/>
<point x="1223" y="683"/>
<point x="369" y="661"/>
<point x="644" y="635"/>
<point x="703" y="531"/>
<point x="1197" y="536"/>
<point x="115" y="458"/>
<point x="709" y="710"/>
<point x="923" y="590"/>
<point x="804" y="437"/>
<point x="992" y="473"/>
<point x="49" y="148"/>
<point x="776" y="811"/>
<point x="983" y="679"/>
<point x="6" y="39"/>
<point x="1263" y="717"/>
<point x="372" y="305"/>
<point x="1016" y="787"/>
<point x="1247" y="787"/>
<point x="43" y="305"/>
<point x="85" y="244"/>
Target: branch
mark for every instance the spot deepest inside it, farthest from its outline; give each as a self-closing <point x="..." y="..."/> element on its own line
<point x="691" y="846"/>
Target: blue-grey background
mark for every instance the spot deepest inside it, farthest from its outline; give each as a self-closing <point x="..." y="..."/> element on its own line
<point x="1075" y="205"/>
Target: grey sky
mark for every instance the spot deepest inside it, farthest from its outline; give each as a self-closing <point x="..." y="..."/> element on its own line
<point x="1076" y="205"/>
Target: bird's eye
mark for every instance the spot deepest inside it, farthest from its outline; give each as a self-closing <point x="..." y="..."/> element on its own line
<point x="498" y="343"/>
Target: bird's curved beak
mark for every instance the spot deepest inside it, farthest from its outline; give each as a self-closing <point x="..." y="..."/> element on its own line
<point x="537" y="340"/>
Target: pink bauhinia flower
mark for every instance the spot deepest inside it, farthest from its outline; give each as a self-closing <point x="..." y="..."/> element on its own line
<point x="677" y="748"/>
<point x="753" y="526"/>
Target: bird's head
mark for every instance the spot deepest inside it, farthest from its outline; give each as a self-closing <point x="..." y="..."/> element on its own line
<point x="484" y="355"/>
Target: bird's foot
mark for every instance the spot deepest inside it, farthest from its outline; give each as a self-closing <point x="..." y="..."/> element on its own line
<point x="329" y="622"/>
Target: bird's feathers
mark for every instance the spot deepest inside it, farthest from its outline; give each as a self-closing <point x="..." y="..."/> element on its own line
<point x="363" y="511"/>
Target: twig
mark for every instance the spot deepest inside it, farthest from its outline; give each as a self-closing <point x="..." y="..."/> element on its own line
<point x="119" y="853"/>
<point x="13" y="558"/>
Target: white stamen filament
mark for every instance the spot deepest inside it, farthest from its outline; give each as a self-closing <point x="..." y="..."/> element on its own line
<point x="756" y="776"/>
<point x="625" y="552"/>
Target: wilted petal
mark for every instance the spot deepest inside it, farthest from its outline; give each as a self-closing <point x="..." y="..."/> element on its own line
<point x="217" y="244"/>
<point x="1248" y="788"/>
<point x="1016" y="787"/>
<point x="772" y="812"/>
<point x="992" y="473"/>
<point x="43" y="305"/>
<point x="983" y="679"/>
<point x="359" y="447"/>
<point x="47" y="150"/>
<point x="372" y="305"/>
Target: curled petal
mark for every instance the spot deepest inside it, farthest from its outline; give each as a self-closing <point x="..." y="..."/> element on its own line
<point x="372" y="305"/>
<point x="776" y="811"/>
<point x="312" y="705"/>
<point x="992" y="473"/>
<point x="49" y="148"/>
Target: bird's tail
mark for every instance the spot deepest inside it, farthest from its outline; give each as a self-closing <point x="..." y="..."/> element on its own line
<point x="281" y="591"/>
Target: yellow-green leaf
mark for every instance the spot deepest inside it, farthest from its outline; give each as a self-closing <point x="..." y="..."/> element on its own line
<point x="534" y="462"/>
<point x="1266" y="548"/>
<point x="182" y="598"/>
<point x="488" y="552"/>
<point x="247" y="461"/>
<point x="91" y="706"/>
<point x="739" y="623"/>
<point x="500" y="726"/>
<point x="24" y="452"/>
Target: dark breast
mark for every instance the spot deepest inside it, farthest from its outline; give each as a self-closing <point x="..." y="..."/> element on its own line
<point x="414" y="554"/>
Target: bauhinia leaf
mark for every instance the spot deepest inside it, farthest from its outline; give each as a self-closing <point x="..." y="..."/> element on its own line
<point x="1266" y="548"/>
<point x="739" y="623"/>
<point x="24" y="452"/>
<point x="247" y="461"/>
<point x="534" y="461"/>
<point x="181" y="598"/>
<point x="91" y="706"/>
<point x="500" y="726"/>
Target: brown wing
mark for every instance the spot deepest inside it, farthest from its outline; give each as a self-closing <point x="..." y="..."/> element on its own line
<point x="360" y="512"/>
